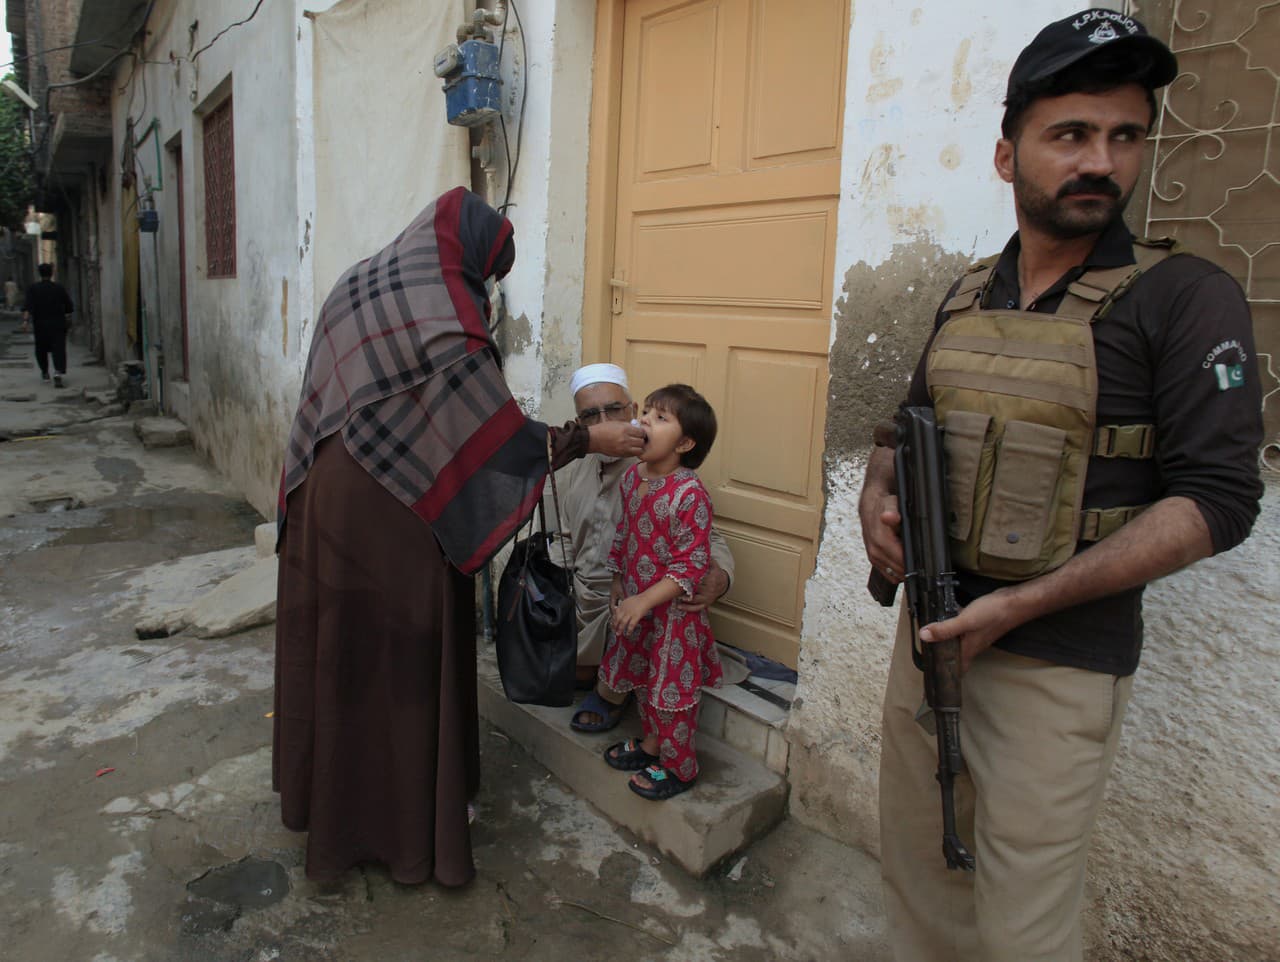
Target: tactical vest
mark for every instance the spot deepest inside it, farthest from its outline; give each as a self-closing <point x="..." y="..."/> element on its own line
<point x="1016" y="393"/>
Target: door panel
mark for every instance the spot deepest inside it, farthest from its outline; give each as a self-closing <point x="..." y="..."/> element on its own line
<point x="791" y="61"/>
<point x="678" y="78"/>
<point x="653" y="364"/>
<point x="728" y="180"/>
<point x="743" y="255"/>
<point x="770" y="396"/>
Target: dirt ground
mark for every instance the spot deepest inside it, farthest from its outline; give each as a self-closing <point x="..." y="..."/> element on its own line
<point x="138" y="821"/>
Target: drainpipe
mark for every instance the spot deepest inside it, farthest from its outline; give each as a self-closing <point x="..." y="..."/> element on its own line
<point x="155" y="249"/>
<point x="151" y="129"/>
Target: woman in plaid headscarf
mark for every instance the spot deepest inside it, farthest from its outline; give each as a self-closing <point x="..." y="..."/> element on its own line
<point x="408" y="465"/>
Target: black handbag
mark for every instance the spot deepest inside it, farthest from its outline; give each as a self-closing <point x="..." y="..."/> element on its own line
<point x="537" y="630"/>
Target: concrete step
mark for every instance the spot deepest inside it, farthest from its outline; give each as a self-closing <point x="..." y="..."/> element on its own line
<point x="737" y="798"/>
<point x="752" y="717"/>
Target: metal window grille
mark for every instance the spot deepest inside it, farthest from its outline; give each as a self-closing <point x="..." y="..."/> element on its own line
<point x="1215" y="181"/>
<point x="220" y="192"/>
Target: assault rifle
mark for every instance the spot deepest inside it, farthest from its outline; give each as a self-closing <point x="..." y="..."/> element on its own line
<point x="931" y="595"/>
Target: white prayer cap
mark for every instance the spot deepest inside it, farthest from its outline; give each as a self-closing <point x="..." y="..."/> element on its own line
<point x="598" y="374"/>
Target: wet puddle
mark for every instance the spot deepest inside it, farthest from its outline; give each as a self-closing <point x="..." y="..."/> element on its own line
<point x="127" y="523"/>
<point x="251" y="883"/>
<point x="217" y="898"/>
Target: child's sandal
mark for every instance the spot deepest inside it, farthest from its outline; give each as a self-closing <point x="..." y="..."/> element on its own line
<point x="628" y="756"/>
<point x="663" y="784"/>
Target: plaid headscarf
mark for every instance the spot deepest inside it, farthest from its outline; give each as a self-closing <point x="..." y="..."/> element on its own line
<point x="402" y="363"/>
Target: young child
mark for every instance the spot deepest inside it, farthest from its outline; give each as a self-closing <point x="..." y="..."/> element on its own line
<point x="660" y="553"/>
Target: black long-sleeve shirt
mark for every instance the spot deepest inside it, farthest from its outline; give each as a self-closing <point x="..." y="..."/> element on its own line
<point x="47" y="301"/>
<point x="1177" y="352"/>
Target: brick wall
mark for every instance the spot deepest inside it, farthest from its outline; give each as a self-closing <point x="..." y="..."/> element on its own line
<point x="56" y="21"/>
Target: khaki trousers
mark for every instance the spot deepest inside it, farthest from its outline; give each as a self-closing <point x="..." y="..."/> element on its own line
<point x="1038" y="741"/>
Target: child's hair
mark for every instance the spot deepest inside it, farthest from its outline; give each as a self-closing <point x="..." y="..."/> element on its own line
<point x="697" y="420"/>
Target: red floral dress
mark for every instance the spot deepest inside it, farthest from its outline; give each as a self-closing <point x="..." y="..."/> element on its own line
<point x="671" y="655"/>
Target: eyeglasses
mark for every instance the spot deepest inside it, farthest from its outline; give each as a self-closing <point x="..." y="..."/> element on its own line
<point x="610" y="412"/>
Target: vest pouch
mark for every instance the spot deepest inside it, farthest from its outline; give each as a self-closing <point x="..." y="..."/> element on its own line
<point x="970" y="456"/>
<point x="1023" y="495"/>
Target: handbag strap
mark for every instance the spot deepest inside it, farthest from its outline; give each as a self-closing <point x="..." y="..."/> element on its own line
<point x="555" y="501"/>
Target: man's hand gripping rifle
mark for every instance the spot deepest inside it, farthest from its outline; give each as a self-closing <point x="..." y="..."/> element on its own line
<point x="931" y="597"/>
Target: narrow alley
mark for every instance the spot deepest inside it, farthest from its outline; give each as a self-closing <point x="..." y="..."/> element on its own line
<point x="139" y="822"/>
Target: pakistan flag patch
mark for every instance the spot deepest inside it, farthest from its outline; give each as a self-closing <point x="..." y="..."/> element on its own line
<point x="1229" y="376"/>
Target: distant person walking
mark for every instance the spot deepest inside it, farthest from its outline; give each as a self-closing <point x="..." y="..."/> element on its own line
<point x="45" y="310"/>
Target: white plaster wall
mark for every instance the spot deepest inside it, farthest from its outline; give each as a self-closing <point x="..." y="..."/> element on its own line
<point x="544" y="291"/>
<point x="241" y="351"/>
<point x="241" y="389"/>
<point x="1189" y="835"/>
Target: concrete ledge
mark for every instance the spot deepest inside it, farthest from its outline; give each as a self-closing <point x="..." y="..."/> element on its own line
<point x="737" y="799"/>
<point x="161" y="432"/>
<point x="264" y="539"/>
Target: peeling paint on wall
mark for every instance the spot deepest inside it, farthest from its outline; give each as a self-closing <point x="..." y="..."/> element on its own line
<point x="514" y="335"/>
<point x="882" y="322"/>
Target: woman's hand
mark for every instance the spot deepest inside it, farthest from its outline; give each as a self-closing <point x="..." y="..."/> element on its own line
<point x="615" y="439"/>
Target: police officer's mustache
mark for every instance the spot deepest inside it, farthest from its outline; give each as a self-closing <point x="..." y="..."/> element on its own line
<point x="1090" y="185"/>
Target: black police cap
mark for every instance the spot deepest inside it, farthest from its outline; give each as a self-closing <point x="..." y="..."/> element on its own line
<point x="1074" y="38"/>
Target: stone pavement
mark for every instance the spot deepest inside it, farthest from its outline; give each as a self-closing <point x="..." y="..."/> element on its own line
<point x="138" y="822"/>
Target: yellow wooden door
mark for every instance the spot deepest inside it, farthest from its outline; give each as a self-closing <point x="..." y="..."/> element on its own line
<point x="728" y="180"/>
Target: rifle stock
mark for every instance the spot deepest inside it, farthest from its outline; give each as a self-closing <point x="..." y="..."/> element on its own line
<point x="931" y="596"/>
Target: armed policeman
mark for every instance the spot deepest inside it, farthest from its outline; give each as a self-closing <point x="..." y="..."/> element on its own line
<point x="1102" y="415"/>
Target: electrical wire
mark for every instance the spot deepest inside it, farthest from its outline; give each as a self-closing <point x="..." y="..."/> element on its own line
<point x="514" y="165"/>
<point x="72" y="46"/>
<point x="256" y="7"/>
<point x="124" y="51"/>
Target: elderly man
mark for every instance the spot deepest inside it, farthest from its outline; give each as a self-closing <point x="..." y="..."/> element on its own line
<point x="591" y="507"/>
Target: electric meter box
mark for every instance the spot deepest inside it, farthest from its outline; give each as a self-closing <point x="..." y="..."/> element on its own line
<point x="472" y="85"/>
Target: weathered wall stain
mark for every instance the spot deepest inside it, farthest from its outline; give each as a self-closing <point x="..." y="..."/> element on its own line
<point x="880" y="168"/>
<point x="237" y="421"/>
<point x="918" y="220"/>
<point x="885" y="86"/>
<point x="961" y="84"/>
<point x="284" y="316"/>
<point x="884" y="89"/>
<point x="561" y="355"/>
<point x="514" y="334"/>
<point x="882" y="321"/>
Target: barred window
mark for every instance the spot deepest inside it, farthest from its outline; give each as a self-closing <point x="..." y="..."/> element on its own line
<point x="220" y="192"/>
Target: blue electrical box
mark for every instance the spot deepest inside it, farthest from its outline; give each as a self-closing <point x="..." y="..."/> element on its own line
<point x="148" y="221"/>
<point x="472" y="83"/>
